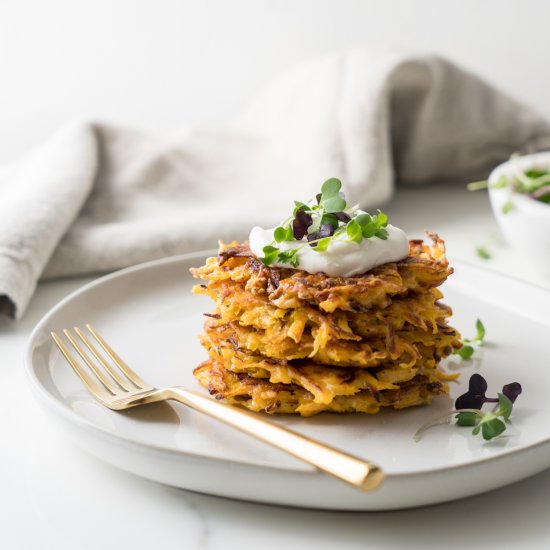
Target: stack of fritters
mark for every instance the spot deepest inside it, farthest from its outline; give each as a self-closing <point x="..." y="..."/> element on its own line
<point x="283" y="340"/>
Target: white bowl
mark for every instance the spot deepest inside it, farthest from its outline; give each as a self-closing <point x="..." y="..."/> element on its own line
<point x="526" y="226"/>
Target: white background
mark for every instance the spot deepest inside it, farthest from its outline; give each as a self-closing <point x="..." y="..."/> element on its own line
<point x="161" y="64"/>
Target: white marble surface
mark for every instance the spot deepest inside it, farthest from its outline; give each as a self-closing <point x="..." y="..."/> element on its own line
<point x="54" y="496"/>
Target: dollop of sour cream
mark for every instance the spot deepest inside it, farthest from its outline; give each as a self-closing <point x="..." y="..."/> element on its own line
<point x="341" y="258"/>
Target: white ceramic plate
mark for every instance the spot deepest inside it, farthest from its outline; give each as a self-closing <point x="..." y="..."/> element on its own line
<point x="151" y="318"/>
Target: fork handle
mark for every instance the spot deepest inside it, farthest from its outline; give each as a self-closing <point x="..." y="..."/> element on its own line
<point x="360" y="473"/>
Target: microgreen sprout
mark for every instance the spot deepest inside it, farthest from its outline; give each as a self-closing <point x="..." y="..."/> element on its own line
<point x="322" y="221"/>
<point x="467" y="411"/>
<point x="483" y="253"/>
<point x="535" y="183"/>
<point x="469" y="344"/>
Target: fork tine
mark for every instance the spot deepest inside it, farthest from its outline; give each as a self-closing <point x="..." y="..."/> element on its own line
<point x="97" y="371"/>
<point x="141" y="384"/>
<point x="124" y="383"/>
<point x="96" y="389"/>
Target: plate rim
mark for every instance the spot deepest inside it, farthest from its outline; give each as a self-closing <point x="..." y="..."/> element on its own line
<point x="47" y="398"/>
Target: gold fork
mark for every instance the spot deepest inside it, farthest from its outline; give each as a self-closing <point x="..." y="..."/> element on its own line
<point x="114" y="384"/>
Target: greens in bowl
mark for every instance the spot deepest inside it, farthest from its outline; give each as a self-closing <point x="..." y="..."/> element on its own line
<point x="519" y="191"/>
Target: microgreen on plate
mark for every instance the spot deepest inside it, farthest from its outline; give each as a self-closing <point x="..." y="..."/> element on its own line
<point x="467" y="411"/>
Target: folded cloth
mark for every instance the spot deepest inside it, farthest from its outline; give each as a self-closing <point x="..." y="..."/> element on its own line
<point x="97" y="198"/>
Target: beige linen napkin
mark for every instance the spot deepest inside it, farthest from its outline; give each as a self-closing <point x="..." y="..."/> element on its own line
<point x="96" y="197"/>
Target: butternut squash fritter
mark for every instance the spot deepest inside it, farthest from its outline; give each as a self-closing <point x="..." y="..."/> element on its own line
<point x="260" y="395"/>
<point x="324" y="382"/>
<point x="425" y="267"/>
<point x="398" y="347"/>
<point x="286" y="341"/>
<point x="423" y="311"/>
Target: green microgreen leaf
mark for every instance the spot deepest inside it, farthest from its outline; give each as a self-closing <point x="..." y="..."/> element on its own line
<point x="270" y="254"/>
<point x="468" y="409"/>
<point x="480" y="331"/>
<point x="334" y="204"/>
<point x="330" y="218"/>
<point x="491" y="428"/>
<point x="381" y="219"/>
<point x="505" y="406"/>
<point x="317" y="221"/>
<point x="501" y="183"/>
<point x="289" y="257"/>
<point x="364" y="219"/>
<point x="465" y="352"/>
<point x="353" y="231"/>
<point x="283" y="234"/>
<point x="322" y="244"/>
<point x="477" y="185"/>
<point x="330" y="188"/>
<point x="466" y="418"/>
<point x="381" y="234"/>
<point x="301" y="206"/>
<point x="483" y="253"/>
<point x="507" y="207"/>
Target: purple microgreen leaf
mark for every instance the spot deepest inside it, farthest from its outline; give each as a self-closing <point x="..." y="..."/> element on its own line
<point x="312" y="237"/>
<point x="326" y="230"/>
<point x="477" y="384"/>
<point x="342" y="217"/>
<point x="475" y="396"/>
<point x="511" y="391"/>
<point x="318" y="198"/>
<point x="469" y="401"/>
<point x="300" y="224"/>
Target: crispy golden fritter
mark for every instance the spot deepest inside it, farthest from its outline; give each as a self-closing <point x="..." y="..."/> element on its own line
<point x="234" y="303"/>
<point x="324" y="382"/>
<point x="260" y="395"/>
<point x="424" y="268"/>
<point x="287" y="341"/>
<point x="400" y="347"/>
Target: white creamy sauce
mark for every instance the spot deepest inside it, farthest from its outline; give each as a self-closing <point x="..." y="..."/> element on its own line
<point x="341" y="258"/>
